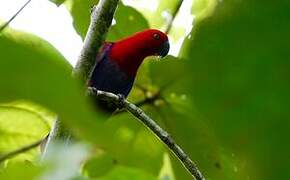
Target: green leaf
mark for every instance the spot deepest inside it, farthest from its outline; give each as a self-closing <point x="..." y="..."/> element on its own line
<point x="20" y="127"/>
<point x="98" y="165"/>
<point x="32" y="69"/>
<point x="125" y="17"/>
<point x="169" y="74"/>
<point x="240" y="62"/>
<point x="80" y="11"/>
<point x="16" y="171"/>
<point x="159" y="17"/>
<point x="166" y="172"/>
<point x="62" y="161"/>
<point x="203" y="8"/>
<point x="47" y="116"/>
<point x="124" y="173"/>
<point x="195" y="137"/>
<point x="178" y="116"/>
<point x="58" y="2"/>
<point x="128" y="137"/>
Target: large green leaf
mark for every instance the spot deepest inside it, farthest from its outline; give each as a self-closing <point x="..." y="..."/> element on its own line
<point x="80" y="11"/>
<point x="159" y="17"/>
<point x="98" y="165"/>
<point x="179" y="117"/>
<point x="196" y="138"/>
<point x="47" y="116"/>
<point x="23" y="123"/>
<point x="125" y="17"/>
<point x="20" y="171"/>
<point x="131" y="141"/>
<point x="240" y="67"/>
<point x="124" y="173"/>
<point x="20" y="127"/>
<point x="62" y="161"/>
<point x="176" y="114"/>
<point x="32" y="69"/>
<point x="203" y="8"/>
<point x="170" y="75"/>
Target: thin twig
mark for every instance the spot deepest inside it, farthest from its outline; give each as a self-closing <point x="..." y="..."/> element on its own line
<point x="146" y="100"/>
<point x="153" y="126"/>
<point x="173" y="16"/>
<point x="20" y="150"/>
<point x="13" y="17"/>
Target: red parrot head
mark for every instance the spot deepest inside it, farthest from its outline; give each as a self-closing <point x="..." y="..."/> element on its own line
<point x="130" y="52"/>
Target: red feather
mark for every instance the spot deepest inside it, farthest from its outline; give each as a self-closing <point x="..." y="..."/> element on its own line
<point x="129" y="53"/>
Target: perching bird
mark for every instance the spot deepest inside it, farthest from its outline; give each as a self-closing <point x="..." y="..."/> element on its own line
<point x="118" y="62"/>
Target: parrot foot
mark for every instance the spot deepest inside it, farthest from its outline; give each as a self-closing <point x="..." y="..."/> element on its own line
<point x="92" y="8"/>
<point x="121" y="98"/>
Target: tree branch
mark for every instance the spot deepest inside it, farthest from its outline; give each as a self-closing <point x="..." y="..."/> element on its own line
<point x="13" y="17"/>
<point x="20" y="150"/>
<point x="153" y="126"/>
<point x="146" y="100"/>
<point x="101" y="19"/>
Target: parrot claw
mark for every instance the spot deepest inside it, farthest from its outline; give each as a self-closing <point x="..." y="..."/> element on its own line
<point x="121" y="99"/>
<point x="92" y="8"/>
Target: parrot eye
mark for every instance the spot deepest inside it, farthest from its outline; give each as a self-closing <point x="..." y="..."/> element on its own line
<point x="156" y="36"/>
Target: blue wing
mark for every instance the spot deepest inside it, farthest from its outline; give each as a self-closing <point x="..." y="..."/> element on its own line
<point x="108" y="77"/>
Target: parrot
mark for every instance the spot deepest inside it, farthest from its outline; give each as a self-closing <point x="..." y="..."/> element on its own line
<point x="117" y="63"/>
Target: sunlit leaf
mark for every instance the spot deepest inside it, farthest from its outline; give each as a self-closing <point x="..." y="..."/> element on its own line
<point x="80" y="11"/>
<point x="125" y="17"/>
<point x="203" y="8"/>
<point x="160" y="12"/>
<point x="47" y="116"/>
<point x="166" y="172"/>
<point x="20" y="171"/>
<point x="20" y="127"/>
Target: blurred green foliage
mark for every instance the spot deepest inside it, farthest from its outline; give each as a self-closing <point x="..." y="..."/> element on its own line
<point x="239" y="61"/>
<point x="225" y="98"/>
<point x="32" y="69"/>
